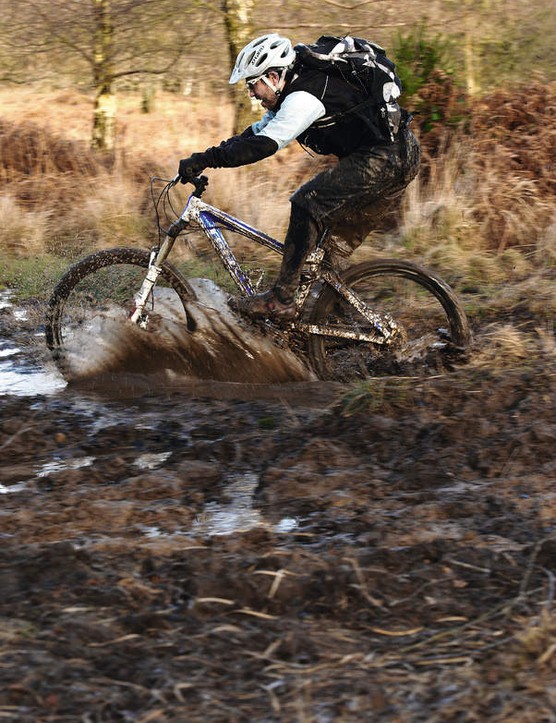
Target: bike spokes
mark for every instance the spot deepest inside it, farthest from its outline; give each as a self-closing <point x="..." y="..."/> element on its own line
<point x="410" y="323"/>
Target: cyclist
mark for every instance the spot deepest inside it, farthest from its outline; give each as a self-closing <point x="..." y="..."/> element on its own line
<point x="374" y="164"/>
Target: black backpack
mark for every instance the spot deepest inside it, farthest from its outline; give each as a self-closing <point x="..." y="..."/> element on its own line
<point x="364" y="65"/>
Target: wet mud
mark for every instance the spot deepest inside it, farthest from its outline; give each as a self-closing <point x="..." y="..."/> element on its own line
<point x="188" y="550"/>
<point x="214" y="344"/>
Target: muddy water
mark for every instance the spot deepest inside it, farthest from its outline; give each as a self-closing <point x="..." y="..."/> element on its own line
<point x="120" y="356"/>
<point x="106" y="374"/>
<point x="21" y="372"/>
<point x="173" y="552"/>
<point x="221" y="348"/>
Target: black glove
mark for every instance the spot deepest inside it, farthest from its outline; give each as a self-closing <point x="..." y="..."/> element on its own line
<point x="192" y="166"/>
<point x="236" y="151"/>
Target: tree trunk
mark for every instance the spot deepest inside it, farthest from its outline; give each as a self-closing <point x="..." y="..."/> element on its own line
<point x="104" y="121"/>
<point x="239" y="31"/>
<point x="104" y="117"/>
<point x="471" y="47"/>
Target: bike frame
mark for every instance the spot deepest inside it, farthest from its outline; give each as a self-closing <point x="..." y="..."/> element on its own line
<point x="211" y="219"/>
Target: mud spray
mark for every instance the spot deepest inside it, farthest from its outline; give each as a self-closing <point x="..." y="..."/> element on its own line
<point x="222" y="347"/>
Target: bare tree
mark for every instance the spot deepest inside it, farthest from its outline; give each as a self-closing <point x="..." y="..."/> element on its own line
<point x="104" y="117"/>
<point x="238" y="21"/>
<point x="108" y="39"/>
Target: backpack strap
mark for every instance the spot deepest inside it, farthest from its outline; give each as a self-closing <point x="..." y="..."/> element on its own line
<point x="390" y="116"/>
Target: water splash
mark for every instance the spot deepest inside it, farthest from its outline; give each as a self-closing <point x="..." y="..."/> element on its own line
<point x="221" y="348"/>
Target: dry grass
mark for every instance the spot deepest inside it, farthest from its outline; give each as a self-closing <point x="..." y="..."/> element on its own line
<point x="519" y="125"/>
<point x="481" y="211"/>
<point x="21" y="232"/>
<point x="48" y="167"/>
<point x="505" y="345"/>
<point x="490" y="186"/>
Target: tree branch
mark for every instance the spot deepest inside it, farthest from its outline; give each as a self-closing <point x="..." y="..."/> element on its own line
<point x="347" y="26"/>
<point x="350" y="7"/>
<point x="150" y="71"/>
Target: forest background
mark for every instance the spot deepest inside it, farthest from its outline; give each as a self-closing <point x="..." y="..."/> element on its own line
<point x="421" y="585"/>
<point x="97" y="96"/>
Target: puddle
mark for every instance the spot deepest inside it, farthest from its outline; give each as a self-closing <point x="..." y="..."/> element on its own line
<point x="28" y="382"/>
<point x="286" y="524"/>
<point x="239" y="515"/>
<point x="20" y="374"/>
<point x="5" y="303"/>
<point x="152" y="460"/>
<point x="220" y="519"/>
<point x="9" y="351"/>
<point x="58" y="465"/>
<point x="224" y="520"/>
<point x="12" y="489"/>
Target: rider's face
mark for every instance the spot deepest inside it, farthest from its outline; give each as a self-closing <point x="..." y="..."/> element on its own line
<point x="262" y="92"/>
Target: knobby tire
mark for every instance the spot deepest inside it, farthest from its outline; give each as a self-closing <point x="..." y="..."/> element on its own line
<point x="435" y="325"/>
<point x="107" y="277"/>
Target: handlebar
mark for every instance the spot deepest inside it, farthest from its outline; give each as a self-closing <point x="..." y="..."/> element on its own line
<point x="200" y="183"/>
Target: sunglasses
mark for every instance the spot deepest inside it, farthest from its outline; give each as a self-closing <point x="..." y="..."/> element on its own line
<point x="252" y="82"/>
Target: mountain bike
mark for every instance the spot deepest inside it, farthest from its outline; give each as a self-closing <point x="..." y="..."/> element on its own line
<point x="384" y="316"/>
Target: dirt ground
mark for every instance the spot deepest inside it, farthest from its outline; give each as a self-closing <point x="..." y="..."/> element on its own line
<point x="231" y="553"/>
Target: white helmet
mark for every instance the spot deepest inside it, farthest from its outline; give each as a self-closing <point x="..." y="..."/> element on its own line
<point x="262" y="54"/>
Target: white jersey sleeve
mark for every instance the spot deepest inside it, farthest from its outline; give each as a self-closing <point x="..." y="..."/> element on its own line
<point x="298" y="111"/>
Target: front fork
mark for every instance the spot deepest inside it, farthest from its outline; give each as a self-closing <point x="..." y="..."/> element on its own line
<point x="157" y="258"/>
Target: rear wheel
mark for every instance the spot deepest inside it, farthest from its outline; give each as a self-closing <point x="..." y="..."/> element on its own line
<point x="97" y="293"/>
<point x="433" y="328"/>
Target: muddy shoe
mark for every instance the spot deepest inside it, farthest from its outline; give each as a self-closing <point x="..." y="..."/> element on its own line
<point x="265" y="306"/>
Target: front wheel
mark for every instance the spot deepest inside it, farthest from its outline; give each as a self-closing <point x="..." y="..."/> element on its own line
<point x="96" y="295"/>
<point x="432" y="328"/>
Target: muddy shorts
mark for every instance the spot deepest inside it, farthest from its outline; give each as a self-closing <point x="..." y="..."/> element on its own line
<point x="350" y="198"/>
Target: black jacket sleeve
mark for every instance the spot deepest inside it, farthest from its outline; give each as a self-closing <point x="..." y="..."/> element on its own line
<point x="239" y="151"/>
